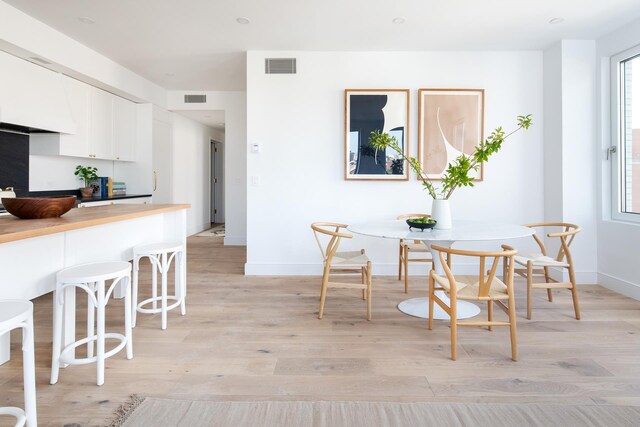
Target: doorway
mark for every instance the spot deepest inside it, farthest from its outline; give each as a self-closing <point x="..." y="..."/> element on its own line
<point x="217" y="182"/>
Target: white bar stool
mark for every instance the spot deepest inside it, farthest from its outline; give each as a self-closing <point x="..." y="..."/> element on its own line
<point x="16" y="314"/>
<point x="158" y="254"/>
<point x="91" y="278"/>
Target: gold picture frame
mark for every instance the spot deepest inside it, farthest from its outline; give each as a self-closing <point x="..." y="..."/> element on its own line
<point x="450" y="122"/>
<point x="366" y="110"/>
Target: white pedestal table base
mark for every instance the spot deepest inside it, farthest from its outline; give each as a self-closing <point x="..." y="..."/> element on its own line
<point x="419" y="307"/>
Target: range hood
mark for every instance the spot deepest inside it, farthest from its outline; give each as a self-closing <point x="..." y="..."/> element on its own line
<point x="33" y="97"/>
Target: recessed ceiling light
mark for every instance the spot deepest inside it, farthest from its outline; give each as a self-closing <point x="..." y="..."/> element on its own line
<point x="170" y="74"/>
<point x="557" y="20"/>
<point x="399" y="20"/>
<point x="86" y="20"/>
<point x="242" y="20"/>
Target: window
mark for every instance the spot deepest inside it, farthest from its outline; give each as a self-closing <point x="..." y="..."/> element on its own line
<point x="625" y="149"/>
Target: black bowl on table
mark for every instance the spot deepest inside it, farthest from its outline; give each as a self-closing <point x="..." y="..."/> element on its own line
<point x="412" y="223"/>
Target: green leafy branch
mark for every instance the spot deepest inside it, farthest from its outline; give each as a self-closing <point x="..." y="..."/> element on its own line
<point x="457" y="172"/>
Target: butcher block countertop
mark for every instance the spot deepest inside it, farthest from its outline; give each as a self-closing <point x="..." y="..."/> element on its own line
<point x="12" y="228"/>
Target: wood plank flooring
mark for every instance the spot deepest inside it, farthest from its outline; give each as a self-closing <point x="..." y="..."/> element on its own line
<point x="259" y="338"/>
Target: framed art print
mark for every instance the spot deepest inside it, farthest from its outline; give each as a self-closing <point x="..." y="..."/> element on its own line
<point x="450" y="122"/>
<point x="368" y="110"/>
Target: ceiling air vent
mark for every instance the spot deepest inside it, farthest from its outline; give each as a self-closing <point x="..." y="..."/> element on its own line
<point x="195" y="99"/>
<point x="280" y="65"/>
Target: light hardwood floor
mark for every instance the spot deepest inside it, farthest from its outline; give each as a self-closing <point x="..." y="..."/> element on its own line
<point x="259" y="338"/>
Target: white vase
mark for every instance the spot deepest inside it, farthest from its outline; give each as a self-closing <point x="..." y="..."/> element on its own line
<point x="441" y="212"/>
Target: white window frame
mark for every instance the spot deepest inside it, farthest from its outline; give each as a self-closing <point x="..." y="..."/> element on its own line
<point x="617" y="157"/>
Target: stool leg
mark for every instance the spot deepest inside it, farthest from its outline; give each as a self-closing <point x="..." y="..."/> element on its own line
<point x="90" y="323"/>
<point x="57" y="337"/>
<point x="134" y="291"/>
<point x="29" y="369"/>
<point x="164" y="271"/>
<point x="69" y="320"/>
<point x="154" y="282"/>
<point x="100" y="335"/>
<point x="127" y="317"/>
<point x="180" y="278"/>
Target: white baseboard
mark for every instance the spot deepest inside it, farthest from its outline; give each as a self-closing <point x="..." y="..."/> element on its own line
<point x="235" y="241"/>
<point x="631" y="290"/>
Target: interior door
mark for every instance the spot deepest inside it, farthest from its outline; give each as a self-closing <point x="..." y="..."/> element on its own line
<point x="217" y="182"/>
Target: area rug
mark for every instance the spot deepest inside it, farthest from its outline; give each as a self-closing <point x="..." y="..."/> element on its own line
<point x="217" y="231"/>
<point x="147" y="412"/>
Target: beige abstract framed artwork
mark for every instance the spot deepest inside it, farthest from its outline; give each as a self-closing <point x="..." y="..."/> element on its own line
<point x="367" y="110"/>
<point x="450" y="122"/>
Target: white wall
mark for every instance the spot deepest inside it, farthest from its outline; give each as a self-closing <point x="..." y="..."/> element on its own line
<point x="299" y="122"/>
<point x="56" y="172"/>
<point x="191" y="170"/>
<point x="619" y="252"/>
<point x="569" y="148"/>
<point x="235" y="184"/>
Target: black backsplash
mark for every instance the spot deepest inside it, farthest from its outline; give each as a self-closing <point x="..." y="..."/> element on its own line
<point x="14" y="162"/>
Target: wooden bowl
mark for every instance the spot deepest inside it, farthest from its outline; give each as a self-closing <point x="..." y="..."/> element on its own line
<point x="38" y="207"/>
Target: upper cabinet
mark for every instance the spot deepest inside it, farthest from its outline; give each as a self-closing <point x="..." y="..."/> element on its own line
<point x="124" y="129"/>
<point x="33" y="96"/>
<point x="105" y="123"/>
<point x="101" y="124"/>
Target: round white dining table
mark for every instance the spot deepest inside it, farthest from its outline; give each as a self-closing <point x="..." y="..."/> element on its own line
<point x="462" y="231"/>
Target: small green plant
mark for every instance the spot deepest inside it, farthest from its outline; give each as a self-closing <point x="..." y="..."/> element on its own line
<point x="457" y="173"/>
<point x="86" y="173"/>
<point x="423" y="220"/>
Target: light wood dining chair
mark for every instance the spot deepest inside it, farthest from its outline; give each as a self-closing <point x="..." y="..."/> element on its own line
<point x="476" y="288"/>
<point x="538" y="264"/>
<point x="341" y="263"/>
<point x="410" y="247"/>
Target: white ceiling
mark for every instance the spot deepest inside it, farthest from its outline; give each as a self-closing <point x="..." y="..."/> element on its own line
<point x="200" y="42"/>
<point x="212" y="118"/>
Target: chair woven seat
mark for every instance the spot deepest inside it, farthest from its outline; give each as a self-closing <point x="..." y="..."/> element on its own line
<point x="468" y="288"/>
<point x="539" y="260"/>
<point x="352" y="259"/>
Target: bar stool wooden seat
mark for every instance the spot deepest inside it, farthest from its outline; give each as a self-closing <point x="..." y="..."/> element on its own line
<point x="91" y="278"/>
<point x="16" y="314"/>
<point x="160" y="255"/>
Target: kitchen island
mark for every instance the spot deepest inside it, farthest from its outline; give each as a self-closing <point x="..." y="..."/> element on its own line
<point x="33" y="251"/>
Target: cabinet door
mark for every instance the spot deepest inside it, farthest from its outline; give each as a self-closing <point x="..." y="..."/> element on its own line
<point x="101" y="124"/>
<point x="78" y="98"/>
<point x="124" y="129"/>
<point x="162" y="168"/>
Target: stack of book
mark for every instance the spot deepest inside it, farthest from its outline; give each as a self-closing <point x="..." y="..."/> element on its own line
<point x="118" y="188"/>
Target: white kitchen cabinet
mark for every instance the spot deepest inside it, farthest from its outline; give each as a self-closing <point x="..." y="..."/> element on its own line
<point x="162" y="157"/>
<point x="101" y="124"/>
<point x="124" y="129"/>
<point x="32" y="96"/>
<point x="77" y="96"/>
<point x="105" y="123"/>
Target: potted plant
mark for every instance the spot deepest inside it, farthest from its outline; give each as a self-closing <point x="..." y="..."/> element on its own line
<point x="457" y="172"/>
<point x="87" y="174"/>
